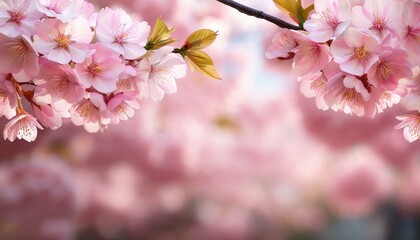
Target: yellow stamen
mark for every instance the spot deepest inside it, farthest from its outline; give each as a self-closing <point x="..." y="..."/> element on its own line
<point x="360" y="53"/>
<point x="95" y="69"/>
<point x="18" y="47"/>
<point x="62" y="40"/>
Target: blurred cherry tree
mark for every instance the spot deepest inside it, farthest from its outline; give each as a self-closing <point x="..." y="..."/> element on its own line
<point x="248" y="157"/>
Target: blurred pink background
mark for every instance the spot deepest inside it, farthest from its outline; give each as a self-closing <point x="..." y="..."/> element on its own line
<point x="248" y="157"/>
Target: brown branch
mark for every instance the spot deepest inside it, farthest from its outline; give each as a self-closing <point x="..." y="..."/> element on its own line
<point x="259" y="14"/>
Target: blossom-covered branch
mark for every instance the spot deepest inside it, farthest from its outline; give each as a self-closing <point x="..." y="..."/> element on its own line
<point x="259" y="14"/>
<point x="68" y="61"/>
<point x="357" y="57"/>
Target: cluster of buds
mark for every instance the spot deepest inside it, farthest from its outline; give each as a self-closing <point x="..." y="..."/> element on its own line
<point x="357" y="57"/>
<point x="61" y="59"/>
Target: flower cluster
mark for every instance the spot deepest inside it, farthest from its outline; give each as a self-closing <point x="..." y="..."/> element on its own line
<point x="68" y="61"/>
<point x="357" y="57"/>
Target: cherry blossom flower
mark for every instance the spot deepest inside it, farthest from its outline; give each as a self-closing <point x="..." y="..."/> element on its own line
<point x="314" y="85"/>
<point x="65" y="10"/>
<point x="48" y="117"/>
<point x="391" y="66"/>
<point x="159" y="71"/>
<point x="346" y="93"/>
<point x="330" y="20"/>
<point x="128" y="81"/>
<point x="410" y="28"/>
<point x="378" y="18"/>
<point x="8" y="99"/>
<point x="23" y="126"/>
<point x="18" y="17"/>
<point x="63" y="42"/>
<point x="91" y="113"/>
<point x="101" y="70"/>
<point x="18" y="55"/>
<point x="121" y="33"/>
<point x="122" y="106"/>
<point x="58" y="85"/>
<point x="282" y="45"/>
<point x="355" y="51"/>
<point x="380" y="100"/>
<point x="411" y="125"/>
<point x="309" y="55"/>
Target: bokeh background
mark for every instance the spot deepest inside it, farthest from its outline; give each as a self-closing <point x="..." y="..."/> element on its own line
<point x="244" y="158"/>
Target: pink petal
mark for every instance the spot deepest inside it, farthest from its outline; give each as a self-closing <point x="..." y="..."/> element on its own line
<point x="133" y="51"/>
<point x="59" y="55"/>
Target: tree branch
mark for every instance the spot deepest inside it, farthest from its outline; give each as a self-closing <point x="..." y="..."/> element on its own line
<point x="258" y="14"/>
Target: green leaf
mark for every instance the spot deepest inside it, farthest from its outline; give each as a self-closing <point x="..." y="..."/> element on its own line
<point x="200" y="39"/>
<point x="295" y="10"/>
<point x="161" y="35"/>
<point x="202" y="62"/>
<point x="307" y="11"/>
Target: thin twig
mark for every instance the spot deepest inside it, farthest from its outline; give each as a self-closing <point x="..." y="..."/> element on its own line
<point x="258" y="14"/>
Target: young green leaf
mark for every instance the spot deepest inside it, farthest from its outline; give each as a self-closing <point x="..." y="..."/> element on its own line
<point x="294" y="9"/>
<point x="200" y="39"/>
<point x="202" y="62"/>
<point x="161" y="35"/>
<point x="307" y="11"/>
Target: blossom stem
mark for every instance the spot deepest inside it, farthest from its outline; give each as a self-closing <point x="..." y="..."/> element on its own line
<point x="259" y="14"/>
<point x="19" y="94"/>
